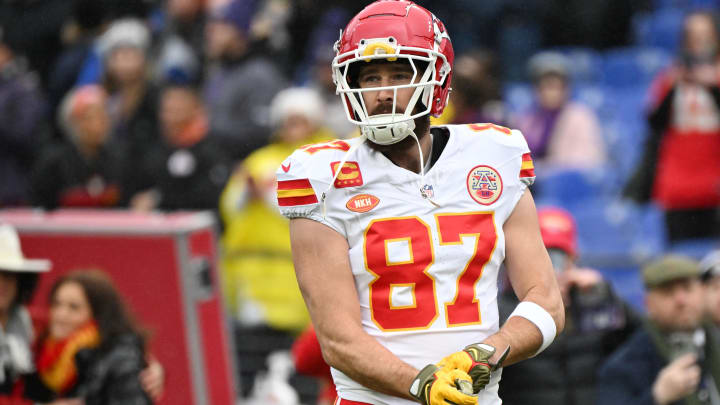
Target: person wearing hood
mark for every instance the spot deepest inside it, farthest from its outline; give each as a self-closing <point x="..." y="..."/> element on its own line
<point x="241" y="82"/>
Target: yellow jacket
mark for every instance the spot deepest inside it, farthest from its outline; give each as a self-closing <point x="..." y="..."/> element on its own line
<point x="258" y="273"/>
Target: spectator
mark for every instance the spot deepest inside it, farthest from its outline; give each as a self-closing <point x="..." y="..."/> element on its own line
<point x="179" y="53"/>
<point x="321" y="54"/>
<point x="674" y="358"/>
<point x="92" y="351"/>
<point x="258" y="268"/>
<point x="597" y="323"/>
<point x="188" y="168"/>
<point x="18" y="277"/>
<point x="241" y="82"/>
<point x="89" y="18"/>
<point x="83" y="171"/>
<point x="710" y="267"/>
<point x="560" y="132"/>
<point x="19" y="325"/>
<point x="680" y="169"/>
<point x="476" y="94"/>
<point x="34" y="29"/>
<point x="132" y="99"/>
<point x="21" y="117"/>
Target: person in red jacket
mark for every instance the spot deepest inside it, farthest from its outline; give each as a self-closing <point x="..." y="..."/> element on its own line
<point x="309" y="361"/>
<point x="681" y="170"/>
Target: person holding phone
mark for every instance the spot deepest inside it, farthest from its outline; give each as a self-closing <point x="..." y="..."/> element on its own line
<point x="598" y="321"/>
<point x="675" y="357"/>
<point x="680" y="170"/>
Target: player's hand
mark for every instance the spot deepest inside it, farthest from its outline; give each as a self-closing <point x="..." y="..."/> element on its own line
<point x="440" y="386"/>
<point x="677" y="380"/>
<point x="475" y="361"/>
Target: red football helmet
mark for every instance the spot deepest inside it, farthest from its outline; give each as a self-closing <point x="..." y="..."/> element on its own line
<point x="392" y="30"/>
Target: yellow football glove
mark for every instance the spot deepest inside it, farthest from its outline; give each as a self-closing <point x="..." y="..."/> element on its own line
<point x="439" y="386"/>
<point x="474" y="360"/>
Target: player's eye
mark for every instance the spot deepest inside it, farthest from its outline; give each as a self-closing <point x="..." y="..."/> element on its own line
<point x="370" y="80"/>
<point x="403" y="77"/>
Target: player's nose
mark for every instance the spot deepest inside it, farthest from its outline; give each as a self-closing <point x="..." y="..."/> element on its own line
<point x="387" y="94"/>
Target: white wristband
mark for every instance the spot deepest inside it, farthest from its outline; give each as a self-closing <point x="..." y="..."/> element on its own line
<point x="540" y="318"/>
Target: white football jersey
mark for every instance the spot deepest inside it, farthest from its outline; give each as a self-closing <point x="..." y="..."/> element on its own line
<point x="425" y="252"/>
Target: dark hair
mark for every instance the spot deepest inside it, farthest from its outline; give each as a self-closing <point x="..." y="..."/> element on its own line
<point x="26" y="287"/>
<point x="190" y="88"/>
<point x="108" y="308"/>
<point x="26" y="283"/>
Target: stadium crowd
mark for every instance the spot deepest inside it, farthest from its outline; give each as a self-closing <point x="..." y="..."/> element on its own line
<point x="165" y="105"/>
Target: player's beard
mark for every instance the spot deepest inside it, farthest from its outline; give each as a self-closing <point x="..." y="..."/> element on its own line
<point x="422" y="128"/>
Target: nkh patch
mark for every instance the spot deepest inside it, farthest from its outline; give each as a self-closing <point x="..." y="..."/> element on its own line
<point x="362" y="203"/>
<point x="484" y="184"/>
<point x="295" y="192"/>
<point x="349" y="176"/>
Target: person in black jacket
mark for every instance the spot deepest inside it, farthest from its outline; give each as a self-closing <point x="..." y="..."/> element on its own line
<point x="188" y="168"/>
<point x="597" y="321"/>
<point x="83" y="171"/>
<point x="675" y="357"/>
<point x="92" y="350"/>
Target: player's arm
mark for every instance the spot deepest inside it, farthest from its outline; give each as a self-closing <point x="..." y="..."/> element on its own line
<point x="323" y="271"/>
<point x="531" y="275"/>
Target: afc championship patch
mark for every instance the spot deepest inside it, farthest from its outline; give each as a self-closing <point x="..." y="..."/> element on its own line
<point x="349" y="176"/>
<point x="484" y="184"/>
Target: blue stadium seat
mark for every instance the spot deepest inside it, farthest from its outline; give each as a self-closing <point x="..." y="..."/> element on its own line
<point x="584" y="64"/>
<point x="612" y="232"/>
<point x="624" y="127"/>
<point x="592" y="95"/>
<point x="627" y="284"/>
<point x="661" y="28"/>
<point x="633" y="66"/>
<point x="518" y="96"/>
<point x="570" y="187"/>
<point x="625" y="141"/>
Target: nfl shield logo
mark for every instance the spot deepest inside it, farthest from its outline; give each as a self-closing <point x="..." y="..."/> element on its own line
<point x="427" y="191"/>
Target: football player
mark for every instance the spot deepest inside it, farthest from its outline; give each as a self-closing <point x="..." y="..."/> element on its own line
<point x="398" y="235"/>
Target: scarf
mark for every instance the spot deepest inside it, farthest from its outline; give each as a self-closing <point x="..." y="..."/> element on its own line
<point x="56" y="358"/>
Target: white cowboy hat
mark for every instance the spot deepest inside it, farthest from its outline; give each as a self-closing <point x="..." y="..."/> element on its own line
<point x="11" y="256"/>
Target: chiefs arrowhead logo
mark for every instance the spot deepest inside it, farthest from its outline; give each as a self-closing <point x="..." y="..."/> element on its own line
<point x="286" y="168"/>
<point x="362" y="203"/>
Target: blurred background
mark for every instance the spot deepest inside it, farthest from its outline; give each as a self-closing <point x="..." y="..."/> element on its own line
<point x="125" y="118"/>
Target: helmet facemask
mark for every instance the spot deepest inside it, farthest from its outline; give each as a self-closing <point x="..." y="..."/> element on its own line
<point x="389" y="128"/>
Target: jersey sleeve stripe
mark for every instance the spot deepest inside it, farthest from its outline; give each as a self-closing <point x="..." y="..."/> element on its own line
<point x="527" y="168"/>
<point x="527" y="173"/>
<point x="291" y="201"/>
<point x="295" y="192"/>
<point x="301" y="192"/>
<point x="294" y="184"/>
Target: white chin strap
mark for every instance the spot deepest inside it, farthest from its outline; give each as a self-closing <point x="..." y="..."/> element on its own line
<point x="387" y="129"/>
